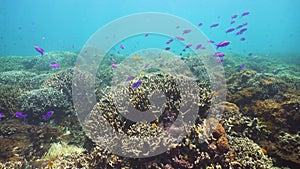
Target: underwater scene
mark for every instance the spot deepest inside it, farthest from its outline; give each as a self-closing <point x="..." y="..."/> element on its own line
<point x="204" y="84"/>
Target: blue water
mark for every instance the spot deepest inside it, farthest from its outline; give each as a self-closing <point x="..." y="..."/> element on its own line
<point x="55" y="25"/>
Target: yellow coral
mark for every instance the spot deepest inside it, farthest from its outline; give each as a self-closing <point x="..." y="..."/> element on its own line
<point x="60" y="149"/>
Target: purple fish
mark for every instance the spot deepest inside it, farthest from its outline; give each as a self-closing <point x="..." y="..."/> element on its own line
<point x="234" y="16"/>
<point x="230" y="30"/>
<point x="179" y="38"/>
<point x="186" y="31"/>
<point x="198" y="47"/>
<point x="167" y="48"/>
<point x="113" y="60"/>
<point x="245" y="13"/>
<point x="214" y="25"/>
<point x="220" y="61"/>
<point x="242" y="39"/>
<point x="136" y="84"/>
<point x="232" y="22"/>
<point x="146" y="34"/>
<point x="122" y="46"/>
<point x="200" y="24"/>
<point x="147" y="66"/>
<point x="48" y="115"/>
<point x="129" y="78"/>
<point x="241" y="31"/>
<point x="211" y="41"/>
<point x="223" y="44"/>
<point x="218" y="54"/>
<point x="54" y="65"/>
<point x="188" y="46"/>
<point x="240" y="26"/>
<point x="40" y="50"/>
<point x="1" y="116"/>
<point x="242" y="66"/>
<point x="169" y="41"/>
<point x="177" y="26"/>
<point x="114" y="65"/>
<point x="20" y="115"/>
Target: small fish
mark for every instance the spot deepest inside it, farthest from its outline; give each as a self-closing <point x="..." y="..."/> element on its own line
<point x="203" y="47"/>
<point x="245" y="23"/>
<point x="242" y="39"/>
<point x="242" y="66"/>
<point x="220" y="61"/>
<point x="232" y="22"/>
<point x="211" y="41"/>
<point x="136" y="84"/>
<point x="129" y="78"/>
<point x="113" y="60"/>
<point x="114" y="65"/>
<point x="223" y="44"/>
<point x="230" y="30"/>
<point x="200" y="24"/>
<point x="146" y="34"/>
<point x="234" y="16"/>
<point x="122" y="46"/>
<point x="214" y="25"/>
<point x="48" y="115"/>
<point x="20" y="115"/>
<point x="245" y="13"/>
<point x="188" y="46"/>
<point x="136" y="58"/>
<point x="167" y="48"/>
<point x="179" y="38"/>
<point x="241" y="31"/>
<point x="40" y="50"/>
<point x="186" y="31"/>
<point x="147" y="66"/>
<point x="240" y="26"/>
<point x="198" y="47"/>
<point x="218" y="54"/>
<point x="73" y="46"/>
<point x="177" y="26"/>
<point x="54" y="65"/>
<point x="1" y="116"/>
<point x="169" y="41"/>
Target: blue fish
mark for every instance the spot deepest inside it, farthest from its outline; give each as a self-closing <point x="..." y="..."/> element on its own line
<point x="1" y="116"/>
<point x="21" y="115"/>
<point x="48" y="115"/>
<point x="136" y="84"/>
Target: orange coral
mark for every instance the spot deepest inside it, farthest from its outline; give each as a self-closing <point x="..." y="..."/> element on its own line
<point x="223" y="144"/>
<point x="219" y="131"/>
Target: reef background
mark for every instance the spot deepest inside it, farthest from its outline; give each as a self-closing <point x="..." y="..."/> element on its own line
<point x="259" y="127"/>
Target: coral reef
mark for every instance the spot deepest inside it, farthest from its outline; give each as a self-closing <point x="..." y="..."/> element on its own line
<point x="248" y="154"/>
<point x="60" y="149"/>
<point x="288" y="147"/>
<point x="38" y="102"/>
<point x="12" y="85"/>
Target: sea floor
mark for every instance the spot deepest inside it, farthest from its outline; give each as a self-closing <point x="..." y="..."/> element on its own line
<point x="258" y="126"/>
